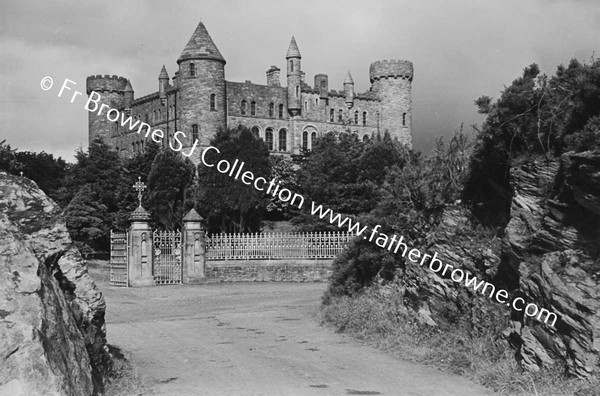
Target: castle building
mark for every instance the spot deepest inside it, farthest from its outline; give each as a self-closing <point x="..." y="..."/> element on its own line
<point x="198" y="100"/>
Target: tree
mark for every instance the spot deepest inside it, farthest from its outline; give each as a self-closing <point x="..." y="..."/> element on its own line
<point x="228" y="204"/>
<point x="88" y="220"/>
<point x="48" y="172"/>
<point x="169" y="178"/>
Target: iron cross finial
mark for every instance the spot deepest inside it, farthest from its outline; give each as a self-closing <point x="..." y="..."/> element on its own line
<point x="139" y="186"/>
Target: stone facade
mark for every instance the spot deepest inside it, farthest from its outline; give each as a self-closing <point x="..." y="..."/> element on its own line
<point x="200" y="100"/>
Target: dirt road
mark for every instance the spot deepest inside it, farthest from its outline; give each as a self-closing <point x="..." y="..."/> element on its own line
<point x="255" y="339"/>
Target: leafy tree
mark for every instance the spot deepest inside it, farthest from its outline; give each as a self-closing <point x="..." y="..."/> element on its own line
<point x="88" y="220"/>
<point x="169" y="178"/>
<point x="8" y="159"/>
<point x="48" y="172"/>
<point x="228" y="204"/>
<point x="285" y="171"/>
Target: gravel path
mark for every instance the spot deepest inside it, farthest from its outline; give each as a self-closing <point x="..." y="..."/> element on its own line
<point x="254" y="339"/>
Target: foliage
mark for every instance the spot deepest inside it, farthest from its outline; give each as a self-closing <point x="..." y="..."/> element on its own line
<point x="8" y="159"/>
<point x="228" y="204"/>
<point x="169" y="178"/>
<point x="412" y="200"/>
<point x="88" y="220"/>
<point x="344" y="174"/>
<point x="536" y="114"/>
<point x="285" y="172"/>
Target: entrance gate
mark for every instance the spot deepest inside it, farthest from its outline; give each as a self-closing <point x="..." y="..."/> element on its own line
<point x="167" y="257"/>
<point x="118" y="258"/>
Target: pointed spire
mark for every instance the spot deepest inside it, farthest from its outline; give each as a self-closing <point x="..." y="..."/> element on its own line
<point x="348" y="79"/>
<point x="293" y="51"/>
<point x="128" y="87"/>
<point x="201" y="46"/>
<point x="163" y="74"/>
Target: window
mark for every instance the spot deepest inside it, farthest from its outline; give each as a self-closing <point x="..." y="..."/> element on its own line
<point x="280" y="111"/>
<point x="253" y="108"/>
<point x="271" y="110"/>
<point x="331" y="115"/>
<point x="305" y="105"/>
<point x="282" y="140"/>
<point x="194" y="132"/>
<point x="192" y="70"/>
<point x="146" y="118"/>
<point x="297" y="91"/>
<point x="356" y="117"/>
<point x="305" y="140"/>
<point x="340" y="115"/>
<point x="243" y="107"/>
<point x="213" y="102"/>
<point x="255" y="132"/>
<point x="317" y="102"/>
<point x="364" y="118"/>
<point x="291" y="65"/>
<point x="313" y="139"/>
<point x="159" y="114"/>
<point x="403" y="119"/>
<point x="269" y="138"/>
<point x="323" y="84"/>
<point x="366" y="138"/>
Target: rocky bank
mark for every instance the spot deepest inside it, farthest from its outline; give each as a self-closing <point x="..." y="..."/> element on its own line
<point x="52" y="330"/>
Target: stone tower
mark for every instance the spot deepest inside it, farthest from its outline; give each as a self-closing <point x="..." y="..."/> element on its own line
<point x="294" y="79"/>
<point x="391" y="82"/>
<point x="201" y="80"/>
<point x="113" y="90"/>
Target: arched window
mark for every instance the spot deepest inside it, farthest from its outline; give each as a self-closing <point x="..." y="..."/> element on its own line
<point x="297" y="91"/>
<point x="305" y="140"/>
<point x="253" y="108"/>
<point x="331" y="115"/>
<point x="356" y="117"/>
<point x="403" y="119"/>
<point x="306" y="105"/>
<point x="280" y="111"/>
<point x="271" y="110"/>
<point x="317" y="102"/>
<point x="282" y="140"/>
<point x="313" y="139"/>
<point x="291" y="65"/>
<point x="194" y="132"/>
<point x="340" y="115"/>
<point x="243" y="107"/>
<point x="366" y="138"/>
<point x="255" y="132"/>
<point x="269" y="138"/>
<point x="192" y="70"/>
<point x="364" y="118"/>
<point x="159" y="114"/>
<point x="213" y="101"/>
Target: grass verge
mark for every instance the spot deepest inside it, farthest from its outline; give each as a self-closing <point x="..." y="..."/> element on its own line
<point x="125" y="379"/>
<point x="378" y="317"/>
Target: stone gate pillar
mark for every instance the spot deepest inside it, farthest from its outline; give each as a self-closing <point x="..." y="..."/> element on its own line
<point x="194" y="253"/>
<point x="140" y="249"/>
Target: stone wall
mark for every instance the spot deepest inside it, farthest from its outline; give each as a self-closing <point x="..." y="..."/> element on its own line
<point x="268" y="271"/>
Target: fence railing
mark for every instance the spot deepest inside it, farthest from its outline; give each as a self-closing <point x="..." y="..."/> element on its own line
<point x="277" y="245"/>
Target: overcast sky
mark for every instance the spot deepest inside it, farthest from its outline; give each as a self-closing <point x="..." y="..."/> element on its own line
<point x="460" y="49"/>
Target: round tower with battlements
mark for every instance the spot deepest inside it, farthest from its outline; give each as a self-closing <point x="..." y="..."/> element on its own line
<point x="391" y="82"/>
<point x="201" y="105"/>
<point x="112" y="90"/>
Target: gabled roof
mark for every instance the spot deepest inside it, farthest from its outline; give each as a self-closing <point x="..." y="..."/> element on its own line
<point x="201" y="46"/>
<point x="293" y="51"/>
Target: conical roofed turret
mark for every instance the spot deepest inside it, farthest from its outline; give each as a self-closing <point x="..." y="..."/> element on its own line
<point x="201" y="46"/>
<point x="348" y="79"/>
<point x="293" y="51"/>
<point x="163" y="74"/>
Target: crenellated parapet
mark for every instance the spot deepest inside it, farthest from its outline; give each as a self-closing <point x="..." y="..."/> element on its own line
<point x="106" y="83"/>
<point x="391" y="69"/>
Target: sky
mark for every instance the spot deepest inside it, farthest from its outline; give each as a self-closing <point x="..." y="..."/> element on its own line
<point x="461" y="49"/>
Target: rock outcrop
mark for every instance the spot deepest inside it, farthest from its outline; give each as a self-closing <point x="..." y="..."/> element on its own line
<point x="551" y="254"/>
<point x="52" y="331"/>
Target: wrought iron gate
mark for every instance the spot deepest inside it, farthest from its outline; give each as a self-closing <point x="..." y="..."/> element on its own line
<point x="167" y="257"/>
<point x="118" y="258"/>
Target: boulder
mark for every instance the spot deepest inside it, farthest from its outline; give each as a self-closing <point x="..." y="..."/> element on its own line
<point x="52" y="330"/>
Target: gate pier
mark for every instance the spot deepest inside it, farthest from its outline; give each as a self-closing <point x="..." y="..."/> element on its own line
<point x="140" y="249"/>
<point x="194" y="254"/>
